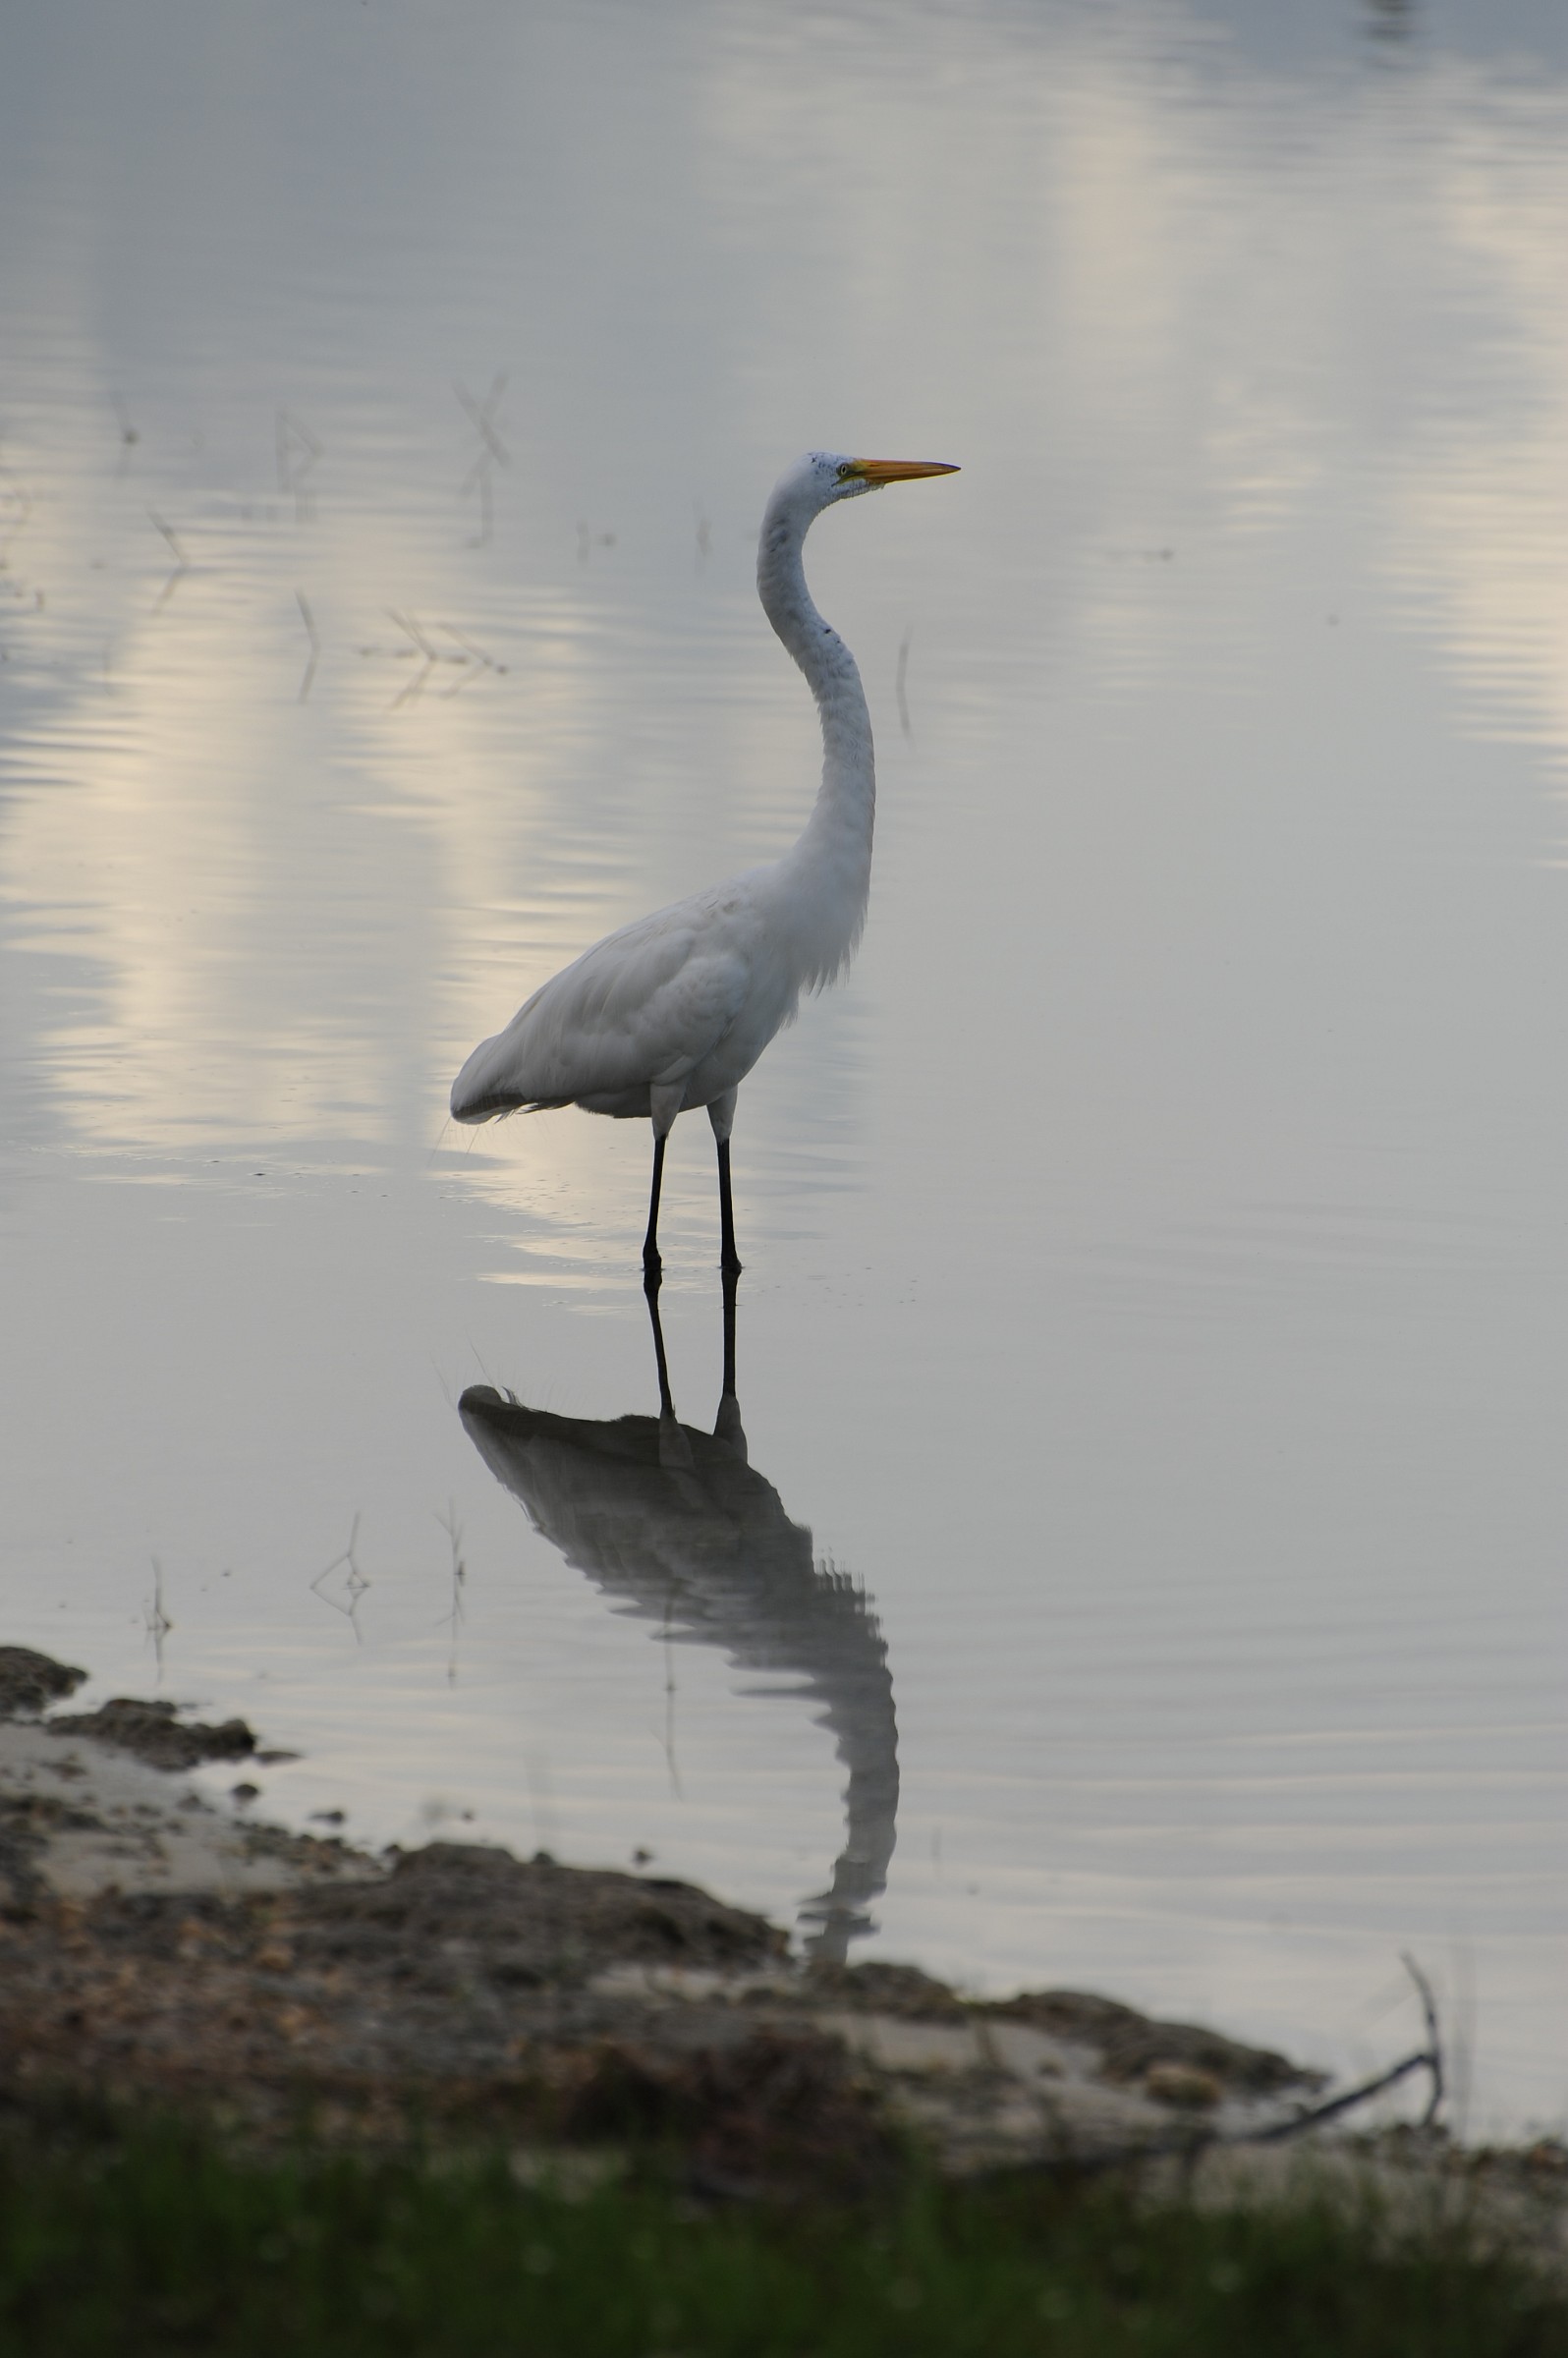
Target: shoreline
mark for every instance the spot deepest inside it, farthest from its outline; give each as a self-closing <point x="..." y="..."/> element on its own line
<point x="158" y="1949"/>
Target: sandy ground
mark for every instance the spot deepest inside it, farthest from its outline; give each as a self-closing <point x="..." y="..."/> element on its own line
<point x="152" y="1946"/>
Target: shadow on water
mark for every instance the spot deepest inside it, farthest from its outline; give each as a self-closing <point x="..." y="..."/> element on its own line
<point x="679" y="1526"/>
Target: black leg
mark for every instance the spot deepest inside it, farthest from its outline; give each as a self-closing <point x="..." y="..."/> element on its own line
<point x="650" y="1243"/>
<point x="731" y="1275"/>
<point x="651" y="1281"/>
<point x="727" y="1425"/>
<point x="729" y="1259"/>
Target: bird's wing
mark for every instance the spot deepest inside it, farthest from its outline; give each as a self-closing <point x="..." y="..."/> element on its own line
<point x="643" y="1006"/>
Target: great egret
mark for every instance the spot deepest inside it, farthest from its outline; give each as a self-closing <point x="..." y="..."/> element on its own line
<point x="673" y="1011"/>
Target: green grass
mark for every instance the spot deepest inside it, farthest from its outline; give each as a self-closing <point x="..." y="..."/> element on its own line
<point x="157" y="2237"/>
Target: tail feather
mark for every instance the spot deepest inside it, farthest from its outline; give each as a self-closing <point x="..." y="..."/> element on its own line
<point x="479" y="1094"/>
<point x="489" y="1108"/>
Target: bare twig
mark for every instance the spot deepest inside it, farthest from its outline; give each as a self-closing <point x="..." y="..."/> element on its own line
<point x="484" y="662"/>
<point x="308" y="620"/>
<point x="182" y="563"/>
<point x="482" y="414"/>
<point x="408" y="623"/>
<point x="1279" y="2130"/>
<point x="298" y="452"/>
<point x="157" y="1621"/>
<point x="470" y="659"/>
<point x="422" y="647"/>
<point x="1192" y="2143"/>
<point x="454" y="1530"/>
<point x="173" y="538"/>
<point x="355" y="1582"/>
<point x="1434" y="2045"/>
<point x="492" y="453"/>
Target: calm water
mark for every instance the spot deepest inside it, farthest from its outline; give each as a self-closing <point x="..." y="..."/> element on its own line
<point x="1151" y="1338"/>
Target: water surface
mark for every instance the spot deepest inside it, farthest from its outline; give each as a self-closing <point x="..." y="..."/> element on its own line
<point x="1151" y="1342"/>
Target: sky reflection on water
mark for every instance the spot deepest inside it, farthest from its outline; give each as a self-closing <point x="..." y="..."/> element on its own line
<point x="1155" y="1253"/>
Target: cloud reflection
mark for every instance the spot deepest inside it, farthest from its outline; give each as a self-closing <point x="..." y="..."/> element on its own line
<point x="255" y="920"/>
<point x="677" y="1525"/>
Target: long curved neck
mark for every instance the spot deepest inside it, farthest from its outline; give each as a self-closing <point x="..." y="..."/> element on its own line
<point x="834" y="853"/>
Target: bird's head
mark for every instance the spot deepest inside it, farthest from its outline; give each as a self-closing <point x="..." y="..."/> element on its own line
<point x="824" y="477"/>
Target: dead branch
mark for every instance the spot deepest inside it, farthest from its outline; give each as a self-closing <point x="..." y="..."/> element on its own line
<point x="1191" y="2144"/>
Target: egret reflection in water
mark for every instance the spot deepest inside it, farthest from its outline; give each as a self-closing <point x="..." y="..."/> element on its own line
<point x="676" y="1524"/>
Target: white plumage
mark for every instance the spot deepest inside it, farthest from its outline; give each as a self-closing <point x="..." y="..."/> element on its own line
<point x="672" y="1012"/>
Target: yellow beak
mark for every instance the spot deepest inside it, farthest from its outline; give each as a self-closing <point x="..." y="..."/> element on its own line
<point x="897" y="470"/>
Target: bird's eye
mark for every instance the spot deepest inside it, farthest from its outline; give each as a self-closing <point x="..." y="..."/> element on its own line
<point x="846" y="471"/>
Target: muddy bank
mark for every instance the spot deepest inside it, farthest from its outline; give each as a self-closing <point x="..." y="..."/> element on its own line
<point x="152" y="1946"/>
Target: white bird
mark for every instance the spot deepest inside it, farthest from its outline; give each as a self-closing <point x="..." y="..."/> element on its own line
<point x="673" y="1011"/>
